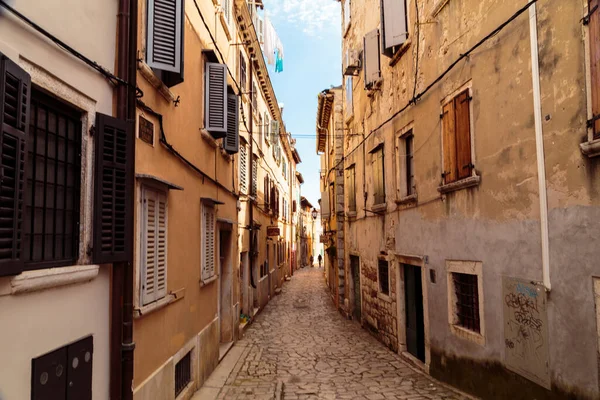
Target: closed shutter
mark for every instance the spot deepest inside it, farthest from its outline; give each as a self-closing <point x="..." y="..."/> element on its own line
<point x="394" y="25"/>
<point x="215" y="98"/>
<point x="226" y="4"/>
<point x="463" y="135"/>
<point x="349" y="104"/>
<point x="325" y="205"/>
<point x="231" y="144"/>
<point x="267" y="131"/>
<point x="208" y="242"/>
<point x="15" y="98"/>
<point x="164" y="47"/>
<point x="113" y="198"/>
<point x="449" y="147"/>
<point x="154" y="245"/>
<point x="274" y="132"/>
<point x="594" y="37"/>
<point x="254" y="176"/>
<point x="371" y="58"/>
<point x="243" y="169"/>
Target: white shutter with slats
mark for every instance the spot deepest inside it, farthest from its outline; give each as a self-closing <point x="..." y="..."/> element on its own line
<point x="164" y="35"/>
<point x="208" y="242"/>
<point x="394" y="24"/>
<point x="371" y="58"/>
<point x="154" y="246"/>
<point x="226" y="4"/>
<point x="243" y="169"/>
<point x="215" y="98"/>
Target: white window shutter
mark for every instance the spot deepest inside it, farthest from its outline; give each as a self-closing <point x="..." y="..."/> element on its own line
<point x="215" y="99"/>
<point x="153" y="246"/>
<point x="161" y="246"/>
<point x="371" y="58"/>
<point x="208" y="242"/>
<point x="349" y="103"/>
<point x="226" y="4"/>
<point x="346" y="14"/>
<point x="325" y="205"/>
<point x="163" y="47"/>
<point x="394" y="24"/>
<point x="231" y="144"/>
<point x="243" y="169"/>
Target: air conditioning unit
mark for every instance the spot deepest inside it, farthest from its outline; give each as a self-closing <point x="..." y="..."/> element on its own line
<point x="352" y="62"/>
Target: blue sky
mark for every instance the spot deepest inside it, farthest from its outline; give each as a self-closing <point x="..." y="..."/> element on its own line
<point x="310" y="32"/>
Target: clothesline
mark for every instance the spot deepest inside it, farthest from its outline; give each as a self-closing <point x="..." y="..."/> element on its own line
<point x="272" y="46"/>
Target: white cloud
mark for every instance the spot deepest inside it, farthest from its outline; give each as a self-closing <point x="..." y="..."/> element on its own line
<point x="312" y="16"/>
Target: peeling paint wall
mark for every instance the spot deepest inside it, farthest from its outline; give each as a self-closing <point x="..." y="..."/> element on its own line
<point x="496" y="222"/>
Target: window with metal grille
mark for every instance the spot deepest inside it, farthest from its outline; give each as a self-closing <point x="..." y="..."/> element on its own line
<point x="467" y="301"/>
<point x="384" y="276"/>
<point x="183" y="373"/>
<point x="53" y="184"/>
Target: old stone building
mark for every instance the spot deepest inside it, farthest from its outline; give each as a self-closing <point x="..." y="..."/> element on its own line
<point x="471" y="189"/>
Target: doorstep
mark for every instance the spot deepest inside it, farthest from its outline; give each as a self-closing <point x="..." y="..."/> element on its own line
<point x="224" y="349"/>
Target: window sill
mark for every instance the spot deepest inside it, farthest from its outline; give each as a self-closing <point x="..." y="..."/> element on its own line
<point x="384" y="297"/>
<point x="149" y="75"/>
<point x="351" y="214"/>
<point x="467" y="334"/>
<point x="208" y="281"/>
<point x="42" y="279"/>
<point x="590" y="148"/>
<point x="379" y="207"/>
<point x="170" y="298"/>
<point x="208" y="138"/>
<point x="462" y="184"/>
<point x="412" y="199"/>
<point x="399" y="53"/>
<point x="225" y="25"/>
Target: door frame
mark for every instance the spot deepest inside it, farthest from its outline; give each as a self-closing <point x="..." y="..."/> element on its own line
<point x="416" y="261"/>
<point x="225" y="226"/>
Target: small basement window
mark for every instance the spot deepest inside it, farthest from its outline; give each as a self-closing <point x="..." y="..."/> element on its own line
<point x="183" y="373"/>
<point x="467" y="301"/>
<point x="384" y="277"/>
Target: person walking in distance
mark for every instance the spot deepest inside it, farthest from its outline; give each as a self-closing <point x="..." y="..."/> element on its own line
<point x="320" y="259"/>
<point x="312" y="261"/>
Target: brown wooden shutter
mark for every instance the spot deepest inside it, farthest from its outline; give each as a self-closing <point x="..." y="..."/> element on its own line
<point x="15" y="98"/>
<point x="449" y="139"/>
<point x="113" y="191"/>
<point x="371" y="58"/>
<point x="594" y="37"/>
<point x="463" y="135"/>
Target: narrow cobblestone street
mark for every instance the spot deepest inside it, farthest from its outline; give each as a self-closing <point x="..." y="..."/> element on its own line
<point x="300" y="347"/>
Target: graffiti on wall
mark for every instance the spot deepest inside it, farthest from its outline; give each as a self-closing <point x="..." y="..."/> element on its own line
<point x="526" y="330"/>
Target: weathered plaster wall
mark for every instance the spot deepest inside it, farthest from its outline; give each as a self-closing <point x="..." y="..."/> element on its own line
<point x="496" y="222"/>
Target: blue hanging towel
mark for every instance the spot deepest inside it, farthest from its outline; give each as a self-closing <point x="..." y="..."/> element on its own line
<point x="278" y="61"/>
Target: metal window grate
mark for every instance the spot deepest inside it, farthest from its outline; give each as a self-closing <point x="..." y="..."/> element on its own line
<point x="467" y="301"/>
<point x="183" y="373"/>
<point x="384" y="277"/>
<point x="53" y="182"/>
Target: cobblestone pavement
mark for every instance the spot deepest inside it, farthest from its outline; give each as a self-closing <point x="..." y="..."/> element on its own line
<point x="300" y="347"/>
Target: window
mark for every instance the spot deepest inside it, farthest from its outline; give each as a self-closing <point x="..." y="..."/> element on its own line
<point x="594" y="39"/>
<point x="349" y="105"/>
<point x="153" y="245"/>
<point x="243" y="72"/>
<point x="208" y="241"/>
<point x="467" y="301"/>
<point x="284" y="169"/>
<point x="378" y="175"/>
<point x="456" y="126"/>
<point x="65" y="373"/>
<point x="383" y="274"/>
<point x="406" y="179"/>
<point x="351" y="174"/>
<point x="226" y="5"/>
<point x="254" y="176"/>
<point x="183" y="373"/>
<point x="231" y="143"/>
<point x="52" y="199"/>
<point x="394" y="25"/>
<point x="164" y="40"/>
<point x="254" y="98"/>
<point x="371" y="60"/>
<point x="347" y="15"/>
<point x="260" y="128"/>
<point x="216" y="99"/>
<point x="243" y="169"/>
<point x="266" y="131"/>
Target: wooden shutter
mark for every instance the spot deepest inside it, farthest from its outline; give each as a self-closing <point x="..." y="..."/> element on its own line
<point x="113" y="197"/>
<point x="231" y="143"/>
<point x="371" y="58"/>
<point x="15" y="98"/>
<point x="594" y="38"/>
<point x="208" y="242"/>
<point x="274" y="132"/>
<point x="449" y="145"/>
<point x="243" y="169"/>
<point x="463" y="135"/>
<point x="164" y="35"/>
<point x="215" y="98"/>
<point x="254" y="176"/>
<point x="325" y="205"/>
<point x="154" y="245"/>
<point x="394" y="25"/>
<point x="267" y="131"/>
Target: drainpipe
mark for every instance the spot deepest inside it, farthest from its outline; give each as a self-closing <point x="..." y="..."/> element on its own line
<point x="539" y="146"/>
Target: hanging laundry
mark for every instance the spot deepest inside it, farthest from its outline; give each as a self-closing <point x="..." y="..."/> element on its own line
<point x="278" y="61"/>
<point x="270" y="37"/>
